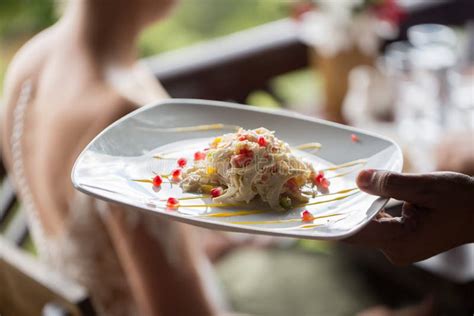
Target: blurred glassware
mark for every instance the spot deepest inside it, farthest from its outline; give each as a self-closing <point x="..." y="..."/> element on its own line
<point x="423" y="35"/>
<point x="396" y="62"/>
<point x="417" y="120"/>
<point x="343" y="35"/>
<point x="424" y="111"/>
<point x="461" y="85"/>
<point x="428" y="88"/>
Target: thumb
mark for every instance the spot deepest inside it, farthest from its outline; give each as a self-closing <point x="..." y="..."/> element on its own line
<point x="406" y="187"/>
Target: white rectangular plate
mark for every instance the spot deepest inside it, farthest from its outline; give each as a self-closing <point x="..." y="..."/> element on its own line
<point x="124" y="152"/>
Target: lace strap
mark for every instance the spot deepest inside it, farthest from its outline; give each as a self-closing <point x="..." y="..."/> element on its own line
<point x="18" y="168"/>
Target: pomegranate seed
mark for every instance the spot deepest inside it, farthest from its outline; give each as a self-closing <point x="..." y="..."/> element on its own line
<point x="215" y="192"/>
<point x="199" y="155"/>
<point x="241" y="160"/>
<point x="182" y="162"/>
<point x="246" y="152"/>
<point x="157" y="181"/>
<point x="172" y="202"/>
<point x="354" y="138"/>
<point x="307" y="216"/>
<point x="242" y="138"/>
<point x="292" y="185"/>
<point x="318" y="179"/>
<point x="176" y="173"/>
<point x="262" y="142"/>
<point x="325" y="183"/>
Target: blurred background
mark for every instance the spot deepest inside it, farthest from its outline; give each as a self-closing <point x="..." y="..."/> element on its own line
<point x="192" y="22"/>
<point x="401" y="68"/>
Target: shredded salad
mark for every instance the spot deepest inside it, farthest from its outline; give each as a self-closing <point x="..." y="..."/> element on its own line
<point x="253" y="164"/>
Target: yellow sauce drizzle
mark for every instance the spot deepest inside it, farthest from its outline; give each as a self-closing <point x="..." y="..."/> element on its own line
<point x="191" y="198"/>
<point x="212" y="205"/>
<point x="241" y="213"/>
<point x="197" y="128"/>
<point x="235" y="213"/>
<point x="342" y="174"/>
<point x="160" y="156"/>
<point x="279" y="221"/>
<point x="307" y="226"/>
<point x="330" y="200"/>
<point x="338" y="192"/>
<point x="143" y="180"/>
<point x="309" y="146"/>
<point x="148" y="180"/>
<point x="345" y="165"/>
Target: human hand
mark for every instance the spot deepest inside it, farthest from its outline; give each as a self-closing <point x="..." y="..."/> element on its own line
<point x="438" y="214"/>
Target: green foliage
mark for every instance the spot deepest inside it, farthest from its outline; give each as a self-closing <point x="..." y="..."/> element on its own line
<point x="20" y="17"/>
<point x="198" y="20"/>
<point x="315" y="246"/>
<point x="262" y="99"/>
<point x="192" y="21"/>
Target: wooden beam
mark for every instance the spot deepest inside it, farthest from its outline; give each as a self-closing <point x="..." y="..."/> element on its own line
<point x="229" y="68"/>
<point x="27" y="286"/>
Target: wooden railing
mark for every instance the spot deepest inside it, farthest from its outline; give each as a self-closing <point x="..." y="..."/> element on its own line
<point x="230" y="68"/>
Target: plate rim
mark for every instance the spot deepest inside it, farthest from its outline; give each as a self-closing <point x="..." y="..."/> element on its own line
<point x="227" y="226"/>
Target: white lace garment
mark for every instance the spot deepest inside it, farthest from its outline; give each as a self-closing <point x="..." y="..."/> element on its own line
<point x="83" y="250"/>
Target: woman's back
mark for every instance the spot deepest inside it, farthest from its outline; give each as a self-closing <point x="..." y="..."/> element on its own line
<point x="63" y="87"/>
<point x="56" y="102"/>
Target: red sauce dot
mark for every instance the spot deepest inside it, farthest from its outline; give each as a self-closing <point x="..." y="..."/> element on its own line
<point x="307" y="216"/>
<point x="246" y="152"/>
<point x="172" y="202"/>
<point x="176" y="173"/>
<point x="242" y="160"/>
<point x="318" y="179"/>
<point x="291" y="184"/>
<point x="182" y="162"/>
<point x="325" y="183"/>
<point x="199" y="155"/>
<point x="354" y="138"/>
<point x="157" y="181"/>
<point x="262" y="142"/>
<point x="215" y="192"/>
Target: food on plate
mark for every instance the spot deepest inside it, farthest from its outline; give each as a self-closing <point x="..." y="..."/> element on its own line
<point x="253" y="164"/>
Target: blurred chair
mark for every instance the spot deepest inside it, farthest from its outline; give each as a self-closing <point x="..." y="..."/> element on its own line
<point x="30" y="288"/>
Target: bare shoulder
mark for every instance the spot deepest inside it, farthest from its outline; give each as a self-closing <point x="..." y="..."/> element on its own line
<point x="25" y="65"/>
<point x="27" y="61"/>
